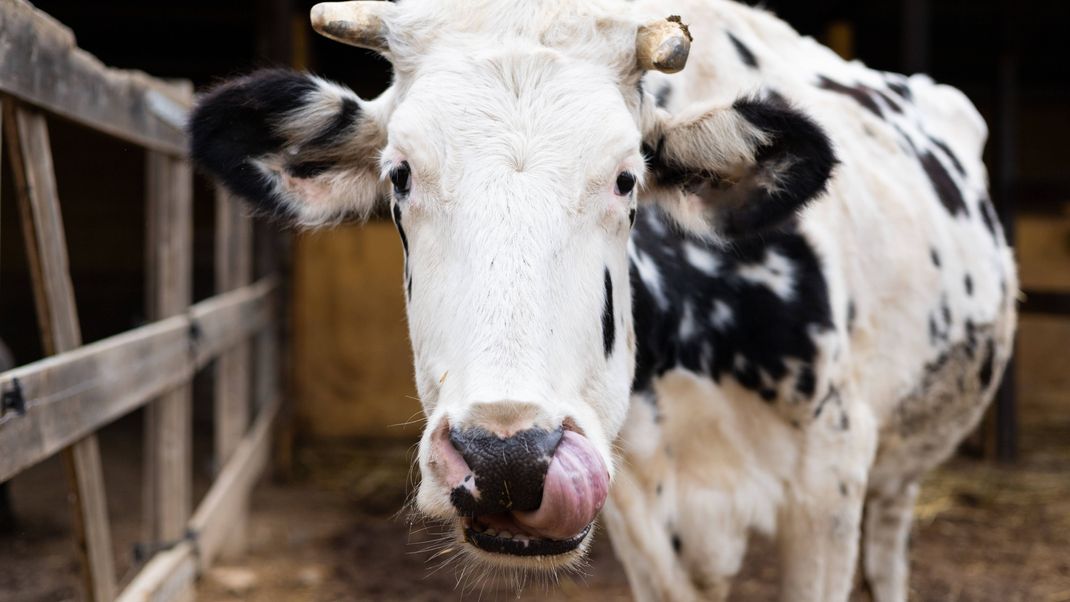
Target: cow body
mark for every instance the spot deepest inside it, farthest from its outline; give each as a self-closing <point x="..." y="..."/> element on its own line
<point x="785" y="382"/>
<point x="765" y="294"/>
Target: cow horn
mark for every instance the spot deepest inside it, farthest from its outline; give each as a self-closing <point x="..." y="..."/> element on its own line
<point x="362" y="24"/>
<point x="663" y="45"/>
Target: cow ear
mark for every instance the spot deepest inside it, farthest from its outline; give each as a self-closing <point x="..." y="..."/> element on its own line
<point x="730" y="172"/>
<point x="292" y="145"/>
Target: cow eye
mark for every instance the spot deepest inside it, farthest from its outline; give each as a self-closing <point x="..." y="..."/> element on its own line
<point x="625" y="183"/>
<point x="401" y="176"/>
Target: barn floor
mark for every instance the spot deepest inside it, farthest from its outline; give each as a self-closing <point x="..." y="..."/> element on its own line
<point x="983" y="533"/>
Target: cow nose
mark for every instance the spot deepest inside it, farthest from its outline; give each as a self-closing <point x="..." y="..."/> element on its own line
<point x="509" y="470"/>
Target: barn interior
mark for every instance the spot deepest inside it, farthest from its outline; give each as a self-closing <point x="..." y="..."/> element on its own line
<point x="329" y="523"/>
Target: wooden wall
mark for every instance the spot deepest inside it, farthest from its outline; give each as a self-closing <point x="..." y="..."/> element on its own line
<point x="351" y="352"/>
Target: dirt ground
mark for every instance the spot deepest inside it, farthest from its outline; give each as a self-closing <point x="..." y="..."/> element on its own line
<point x="984" y="532"/>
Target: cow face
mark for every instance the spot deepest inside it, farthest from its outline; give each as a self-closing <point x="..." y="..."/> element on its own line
<point x="512" y="150"/>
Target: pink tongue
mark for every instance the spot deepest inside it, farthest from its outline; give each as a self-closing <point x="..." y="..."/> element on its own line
<point x="576" y="486"/>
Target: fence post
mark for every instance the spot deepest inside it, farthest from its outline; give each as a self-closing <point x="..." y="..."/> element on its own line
<point x="168" y="420"/>
<point x="46" y="249"/>
<point x="233" y="269"/>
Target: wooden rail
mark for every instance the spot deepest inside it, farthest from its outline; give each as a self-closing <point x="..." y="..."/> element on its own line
<point x="56" y="405"/>
<point x="172" y="571"/>
<point x="70" y="395"/>
<point x="41" y="65"/>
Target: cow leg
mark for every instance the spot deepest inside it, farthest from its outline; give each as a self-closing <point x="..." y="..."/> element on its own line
<point x="818" y="550"/>
<point x="820" y="522"/>
<point x="885" y="562"/>
<point x="674" y="543"/>
<point x="644" y="547"/>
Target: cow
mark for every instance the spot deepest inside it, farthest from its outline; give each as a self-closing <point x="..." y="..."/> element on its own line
<point x="762" y="294"/>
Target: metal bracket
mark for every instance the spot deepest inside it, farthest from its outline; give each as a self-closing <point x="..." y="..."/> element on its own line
<point x="13" y="400"/>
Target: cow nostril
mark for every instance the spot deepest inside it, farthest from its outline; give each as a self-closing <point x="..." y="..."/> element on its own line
<point x="509" y="471"/>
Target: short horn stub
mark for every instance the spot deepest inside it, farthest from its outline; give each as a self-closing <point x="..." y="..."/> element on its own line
<point x="663" y="45"/>
<point x="362" y="23"/>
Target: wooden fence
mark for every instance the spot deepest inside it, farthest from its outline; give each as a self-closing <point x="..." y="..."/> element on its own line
<point x="56" y="405"/>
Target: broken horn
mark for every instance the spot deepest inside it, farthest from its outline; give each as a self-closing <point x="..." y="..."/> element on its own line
<point x="663" y="45"/>
<point x="362" y="24"/>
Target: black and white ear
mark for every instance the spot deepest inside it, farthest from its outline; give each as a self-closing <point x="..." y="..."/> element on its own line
<point x="291" y="144"/>
<point x="734" y="171"/>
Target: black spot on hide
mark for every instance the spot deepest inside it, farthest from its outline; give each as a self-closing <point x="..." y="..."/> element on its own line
<point x="940" y="144"/>
<point x="988" y="364"/>
<point x="989" y="217"/>
<point x="396" y="213"/>
<point x="744" y="53"/>
<point x="901" y="89"/>
<point x="609" y="329"/>
<point x="860" y="94"/>
<point x="833" y="396"/>
<point x="949" y="194"/>
<point x="743" y="328"/>
<point x="677" y="544"/>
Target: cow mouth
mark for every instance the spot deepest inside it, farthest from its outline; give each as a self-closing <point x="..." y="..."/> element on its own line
<point x="501" y="534"/>
<point x="574" y="489"/>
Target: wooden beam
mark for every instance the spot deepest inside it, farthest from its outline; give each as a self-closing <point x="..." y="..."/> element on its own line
<point x="229" y="495"/>
<point x="233" y="268"/>
<point x="46" y="248"/>
<point x="41" y="64"/>
<point x="168" y="577"/>
<point x="170" y="574"/>
<point x="168" y="467"/>
<point x="70" y="395"/>
<point x="225" y="320"/>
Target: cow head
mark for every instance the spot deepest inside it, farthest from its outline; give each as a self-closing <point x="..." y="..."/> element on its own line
<point x="512" y="148"/>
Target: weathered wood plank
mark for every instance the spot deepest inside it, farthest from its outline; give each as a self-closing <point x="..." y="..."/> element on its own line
<point x="350" y="347"/>
<point x="168" y="463"/>
<point x="69" y="396"/>
<point x="229" y="495"/>
<point x="248" y="310"/>
<point x="72" y="394"/>
<point x="233" y="268"/>
<point x="168" y="577"/>
<point x="41" y="64"/>
<point x="46" y="246"/>
<point x="171" y="573"/>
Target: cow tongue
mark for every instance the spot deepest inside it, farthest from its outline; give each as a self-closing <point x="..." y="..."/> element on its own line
<point x="575" y="489"/>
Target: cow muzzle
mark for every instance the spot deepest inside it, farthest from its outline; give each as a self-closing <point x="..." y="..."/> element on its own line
<point x="521" y="490"/>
